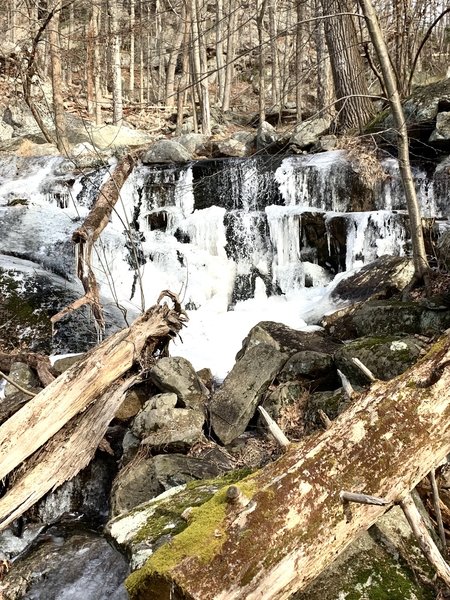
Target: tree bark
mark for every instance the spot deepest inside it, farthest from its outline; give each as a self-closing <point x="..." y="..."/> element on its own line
<point x="421" y="266"/>
<point x="55" y="58"/>
<point x="353" y="105"/>
<point x="293" y="524"/>
<point x="64" y="455"/>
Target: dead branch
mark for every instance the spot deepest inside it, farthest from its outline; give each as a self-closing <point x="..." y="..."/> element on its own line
<point x="85" y="237"/>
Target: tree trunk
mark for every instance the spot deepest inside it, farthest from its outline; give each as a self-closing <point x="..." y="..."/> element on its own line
<point x="132" y="48"/>
<point x="116" y="60"/>
<point x="353" y="105"/>
<point x="231" y="48"/>
<point x="173" y="58"/>
<point x="55" y="58"/>
<point x="290" y="522"/>
<point x="261" y="9"/>
<point x="421" y="266"/>
<point x="92" y="387"/>
<point x="220" y="62"/>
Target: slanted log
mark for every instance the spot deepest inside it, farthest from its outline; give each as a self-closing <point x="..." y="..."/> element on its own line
<point x="73" y="391"/>
<point x="64" y="455"/>
<point x="293" y="523"/>
<point x="87" y="234"/>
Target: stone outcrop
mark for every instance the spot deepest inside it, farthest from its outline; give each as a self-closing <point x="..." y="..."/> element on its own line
<point x="381" y="278"/>
<point x="163" y="426"/>
<point x="166" y="151"/>
<point x="234" y="404"/>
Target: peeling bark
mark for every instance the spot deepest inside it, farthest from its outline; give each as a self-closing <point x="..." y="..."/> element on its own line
<point x="293" y="524"/>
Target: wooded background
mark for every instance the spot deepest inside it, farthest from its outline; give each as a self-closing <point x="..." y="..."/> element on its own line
<point x="300" y="56"/>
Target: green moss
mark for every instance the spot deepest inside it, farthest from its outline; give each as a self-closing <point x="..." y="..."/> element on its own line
<point x="200" y="537"/>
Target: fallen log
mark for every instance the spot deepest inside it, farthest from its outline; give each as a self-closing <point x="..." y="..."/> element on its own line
<point x="73" y="391"/>
<point x="291" y="521"/>
<point x="64" y="455"/>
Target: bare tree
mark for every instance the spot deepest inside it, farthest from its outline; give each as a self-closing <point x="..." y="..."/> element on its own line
<point x="354" y="107"/>
<point x="116" y="60"/>
<point x="421" y="266"/>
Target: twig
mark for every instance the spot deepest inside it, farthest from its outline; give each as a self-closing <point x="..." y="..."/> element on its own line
<point x="367" y="372"/>
<point x="324" y="418"/>
<point x="348" y="389"/>
<point x="362" y="499"/>
<point x="437" y="510"/>
<point x="274" y="428"/>
<point x="424" y="538"/>
<point x="16" y="385"/>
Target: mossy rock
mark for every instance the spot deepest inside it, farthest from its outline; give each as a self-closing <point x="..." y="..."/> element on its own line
<point x="142" y="531"/>
<point x="386" y="357"/>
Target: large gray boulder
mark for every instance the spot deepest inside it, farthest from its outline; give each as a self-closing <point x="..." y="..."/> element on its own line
<point x="386" y="357"/>
<point x="381" y="564"/>
<point x="163" y="426"/>
<point x="442" y="131"/>
<point x="266" y="136"/>
<point x="381" y="278"/>
<point x="287" y="340"/>
<point x="234" y="404"/>
<point x="194" y="143"/>
<point x="166" y="151"/>
<point x="308" y="132"/>
<point x="147" y="478"/>
<point x="177" y="375"/>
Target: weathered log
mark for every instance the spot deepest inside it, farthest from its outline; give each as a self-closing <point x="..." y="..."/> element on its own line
<point x="64" y="455"/>
<point x="293" y="524"/>
<point x="73" y="391"/>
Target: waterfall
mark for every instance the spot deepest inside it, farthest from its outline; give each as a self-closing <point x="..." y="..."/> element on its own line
<point x="228" y="233"/>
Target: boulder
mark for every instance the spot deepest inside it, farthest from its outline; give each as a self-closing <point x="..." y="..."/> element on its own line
<point x="162" y="426"/>
<point x="386" y="317"/>
<point x="133" y="402"/>
<point x="23" y="376"/>
<point x="386" y="357"/>
<point x="193" y="142"/>
<point x="381" y="278"/>
<point x="134" y="485"/>
<point x="247" y="138"/>
<point x="164" y="151"/>
<point x="442" y="131"/>
<point x="383" y="563"/>
<point x="230" y="147"/>
<point x="308" y="132"/>
<point x="234" y="404"/>
<point x="62" y="364"/>
<point x="287" y="340"/>
<point x="107" y="137"/>
<point x="307" y="366"/>
<point x="177" y="375"/>
<point x="6" y="131"/>
<point x="266" y="136"/>
<point x="68" y="563"/>
<point x="140" y="532"/>
<point x="326" y="143"/>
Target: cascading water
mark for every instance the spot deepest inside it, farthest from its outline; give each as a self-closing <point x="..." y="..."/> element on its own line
<point x="263" y="236"/>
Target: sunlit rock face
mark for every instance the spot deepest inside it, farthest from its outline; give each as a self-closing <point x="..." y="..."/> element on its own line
<point x="229" y="233"/>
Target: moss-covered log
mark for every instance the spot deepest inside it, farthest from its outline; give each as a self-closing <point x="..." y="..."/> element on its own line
<point x="289" y="522"/>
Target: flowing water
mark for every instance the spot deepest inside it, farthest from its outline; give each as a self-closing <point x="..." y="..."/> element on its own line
<point x="240" y="240"/>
